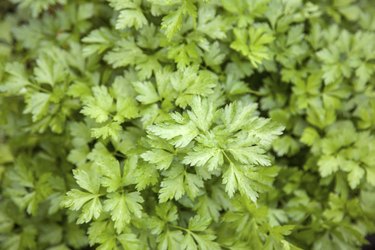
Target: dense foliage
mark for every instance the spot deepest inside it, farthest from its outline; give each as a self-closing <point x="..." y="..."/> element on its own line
<point x="187" y="124"/>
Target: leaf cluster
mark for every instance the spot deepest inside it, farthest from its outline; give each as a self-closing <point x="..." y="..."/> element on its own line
<point x="187" y="124"/>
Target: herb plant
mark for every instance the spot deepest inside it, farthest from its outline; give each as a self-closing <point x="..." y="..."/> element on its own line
<point x="187" y="124"/>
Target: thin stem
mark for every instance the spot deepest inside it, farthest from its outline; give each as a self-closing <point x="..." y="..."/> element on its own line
<point x="256" y="92"/>
<point x="119" y="154"/>
<point x="181" y="228"/>
<point x="226" y="156"/>
<point x="38" y="88"/>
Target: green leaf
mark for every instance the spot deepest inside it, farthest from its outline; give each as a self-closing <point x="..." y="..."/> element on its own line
<point x="88" y="180"/>
<point x="199" y="236"/>
<point x="37" y="105"/>
<point x="99" y="106"/>
<point x="109" y="167"/>
<point x="178" y="182"/>
<point x="211" y="24"/>
<point x="286" y="145"/>
<point x="102" y="232"/>
<point x="236" y="115"/>
<point x="202" y="113"/>
<point x="146" y="92"/>
<point x="248" y="153"/>
<point x="212" y="158"/>
<point x="172" y="22"/>
<point x="97" y="42"/>
<point x="145" y="175"/>
<point x="48" y="70"/>
<point x="328" y="165"/>
<point x="188" y="82"/>
<point x="161" y="158"/>
<point x="16" y="80"/>
<point x="179" y="131"/>
<point x="309" y="136"/>
<point x="249" y="181"/>
<point x="130" y="241"/>
<point x="253" y="43"/>
<point x="109" y="130"/>
<point x="193" y="185"/>
<point x="125" y="54"/>
<point x="89" y="204"/>
<point x="130" y="14"/>
<point x="170" y="240"/>
<point x="234" y="180"/>
<point x="355" y="176"/>
<point x="370" y="174"/>
<point x="131" y="18"/>
<point x="38" y="6"/>
<point x="208" y="207"/>
<point x="126" y="104"/>
<point x="199" y="224"/>
<point x="122" y="208"/>
<point x="172" y="187"/>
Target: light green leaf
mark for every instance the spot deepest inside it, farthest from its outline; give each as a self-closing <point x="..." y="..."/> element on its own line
<point x="131" y="18"/>
<point x="99" y="106"/>
<point x="180" y="134"/>
<point x="88" y="180"/>
<point x="355" y="176"/>
<point x="89" y="203"/>
<point x="109" y="130"/>
<point x="170" y="240"/>
<point x="130" y="241"/>
<point x="146" y="92"/>
<point x="49" y="71"/>
<point x="122" y="208"/>
<point x="16" y="80"/>
<point x="37" y="105"/>
<point x="161" y="158"/>
<point x="172" y="22"/>
<point x="193" y="184"/>
<point x="328" y="165"/>
<point x="212" y="158"/>
<point x="199" y="224"/>
<point x="172" y="187"/>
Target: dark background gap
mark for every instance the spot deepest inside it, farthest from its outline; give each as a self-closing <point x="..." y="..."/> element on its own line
<point x="371" y="244"/>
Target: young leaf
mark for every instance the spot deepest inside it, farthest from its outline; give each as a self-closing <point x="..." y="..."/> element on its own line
<point x="122" y="208"/>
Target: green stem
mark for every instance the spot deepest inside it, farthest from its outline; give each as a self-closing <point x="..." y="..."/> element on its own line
<point x="35" y="87"/>
<point x="181" y="228"/>
<point x="256" y="92"/>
